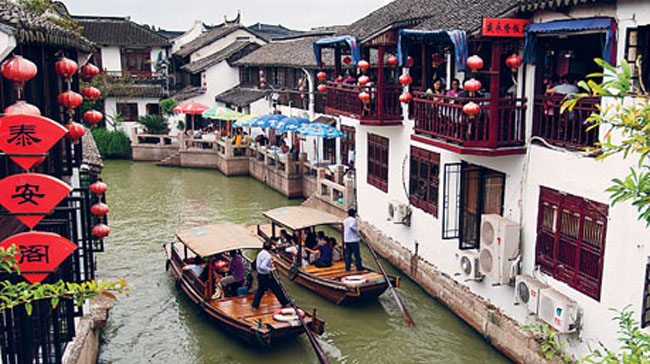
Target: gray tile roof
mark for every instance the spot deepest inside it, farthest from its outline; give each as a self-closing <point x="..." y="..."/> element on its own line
<point x="534" y="5"/>
<point x="119" y="31"/>
<point x="291" y="53"/>
<point x="142" y="90"/>
<point x="240" y="96"/>
<point x="467" y="15"/>
<point x="269" y="31"/>
<point x="188" y="92"/>
<point x="207" y="38"/>
<point x="90" y="152"/>
<point x="231" y="53"/>
<point x="31" y="28"/>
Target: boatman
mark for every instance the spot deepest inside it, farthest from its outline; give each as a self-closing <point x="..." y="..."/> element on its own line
<point x="351" y="239"/>
<point x="264" y="265"/>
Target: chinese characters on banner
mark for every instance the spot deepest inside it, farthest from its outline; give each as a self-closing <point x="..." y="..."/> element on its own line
<point x="504" y="27"/>
<point x="31" y="194"/>
<point x="41" y="253"/>
<point x="28" y="134"/>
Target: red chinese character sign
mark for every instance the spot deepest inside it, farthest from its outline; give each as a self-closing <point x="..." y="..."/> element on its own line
<point x="41" y="253"/>
<point x="31" y="193"/>
<point x="28" y="134"/>
<point x="504" y="27"/>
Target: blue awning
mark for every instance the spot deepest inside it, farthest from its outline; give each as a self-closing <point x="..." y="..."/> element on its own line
<point x="333" y="41"/>
<point x="457" y="37"/>
<point x="568" y="26"/>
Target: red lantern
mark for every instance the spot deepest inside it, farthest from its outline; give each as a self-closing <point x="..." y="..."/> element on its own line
<point x="321" y="88"/>
<point x="471" y="109"/>
<point x="347" y="60"/>
<point x="261" y="73"/>
<point x="98" y="187"/>
<point x="75" y="131"/>
<point x="70" y="99"/>
<point x="405" y="80"/>
<point x="101" y="231"/>
<point x="301" y="89"/>
<point x="89" y="71"/>
<point x="321" y="76"/>
<point x="91" y="93"/>
<point x="99" y="209"/>
<point x="363" y="65"/>
<point x="392" y="60"/>
<point x="19" y="69"/>
<point x="410" y="61"/>
<point x="22" y="108"/>
<point x="472" y="85"/>
<point x="406" y="97"/>
<point x="475" y="62"/>
<point x="364" y="96"/>
<point x="93" y="116"/>
<point x="363" y="80"/>
<point x="65" y="67"/>
<point x="262" y="85"/>
<point x="513" y="62"/>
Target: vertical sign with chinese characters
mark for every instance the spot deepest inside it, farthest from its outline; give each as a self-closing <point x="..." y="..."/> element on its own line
<point x="504" y="27"/>
<point x="27" y="137"/>
<point x="40" y="253"/>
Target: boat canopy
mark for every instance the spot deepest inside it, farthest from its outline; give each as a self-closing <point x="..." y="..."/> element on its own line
<point x="299" y="217"/>
<point x="209" y="240"/>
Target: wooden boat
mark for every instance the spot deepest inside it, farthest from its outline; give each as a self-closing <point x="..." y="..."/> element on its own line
<point x="333" y="283"/>
<point x="212" y="243"/>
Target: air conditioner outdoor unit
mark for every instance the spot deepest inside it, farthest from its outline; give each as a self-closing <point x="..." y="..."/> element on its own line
<point x="499" y="247"/>
<point x="468" y="265"/>
<point x="399" y="213"/>
<point x="557" y="310"/>
<point x="527" y="292"/>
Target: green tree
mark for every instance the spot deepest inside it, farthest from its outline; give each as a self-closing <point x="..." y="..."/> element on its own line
<point x="154" y="124"/>
<point x="167" y="107"/>
<point x="112" y="144"/>
<point x="626" y="120"/>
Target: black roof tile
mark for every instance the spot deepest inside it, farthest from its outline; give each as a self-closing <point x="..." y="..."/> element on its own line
<point x="119" y="31"/>
<point x="231" y="53"/>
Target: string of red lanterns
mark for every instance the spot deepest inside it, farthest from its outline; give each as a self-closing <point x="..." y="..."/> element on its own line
<point x="19" y="70"/>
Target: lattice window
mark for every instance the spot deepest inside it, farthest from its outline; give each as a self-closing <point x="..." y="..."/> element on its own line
<point x="378" y="161"/>
<point x="424" y="180"/>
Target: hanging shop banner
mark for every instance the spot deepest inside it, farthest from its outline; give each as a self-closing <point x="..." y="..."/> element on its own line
<point x="40" y="253"/>
<point x="28" y="134"/>
<point x="32" y="194"/>
<point x="504" y="27"/>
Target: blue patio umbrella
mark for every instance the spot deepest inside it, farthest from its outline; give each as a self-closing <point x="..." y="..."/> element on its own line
<point x="320" y="130"/>
<point x="290" y="124"/>
<point x="266" y="121"/>
<point x="245" y="121"/>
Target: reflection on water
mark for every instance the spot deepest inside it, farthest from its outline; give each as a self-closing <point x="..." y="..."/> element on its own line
<point x="156" y="324"/>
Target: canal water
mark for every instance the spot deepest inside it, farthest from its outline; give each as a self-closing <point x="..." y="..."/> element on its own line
<point x="156" y="324"/>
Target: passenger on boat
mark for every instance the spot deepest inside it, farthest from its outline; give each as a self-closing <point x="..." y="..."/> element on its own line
<point x="284" y="239"/>
<point x="237" y="270"/>
<point x="310" y="240"/>
<point x="196" y="265"/>
<point x="245" y="288"/>
<point x="324" y="253"/>
<point x="264" y="266"/>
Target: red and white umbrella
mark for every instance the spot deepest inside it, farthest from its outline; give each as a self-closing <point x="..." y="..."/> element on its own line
<point x="191" y="107"/>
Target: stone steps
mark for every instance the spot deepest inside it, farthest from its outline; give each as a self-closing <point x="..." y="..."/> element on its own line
<point x="172" y="160"/>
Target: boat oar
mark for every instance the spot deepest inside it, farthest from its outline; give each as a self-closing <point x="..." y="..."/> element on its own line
<point x="398" y="300"/>
<point x="322" y="357"/>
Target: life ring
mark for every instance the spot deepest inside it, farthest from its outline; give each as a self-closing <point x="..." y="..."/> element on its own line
<point x="287" y="314"/>
<point x="354" y="280"/>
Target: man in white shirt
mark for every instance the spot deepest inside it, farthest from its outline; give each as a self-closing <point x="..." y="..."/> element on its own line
<point x="264" y="266"/>
<point x="351" y="239"/>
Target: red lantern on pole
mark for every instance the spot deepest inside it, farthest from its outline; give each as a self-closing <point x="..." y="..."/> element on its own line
<point x="321" y="76"/>
<point x="22" y="108"/>
<point x="475" y="62"/>
<point x="514" y="61"/>
<point x="70" y="100"/>
<point x="406" y="97"/>
<point x="471" y="109"/>
<point x="98" y="187"/>
<point x="364" y="96"/>
<point x="101" y="231"/>
<point x="321" y="88"/>
<point x="347" y="60"/>
<point x="363" y="65"/>
<point x="410" y="61"/>
<point x="392" y="60"/>
<point x="93" y="116"/>
<point x="472" y="85"/>
<point x="19" y="69"/>
<point x="89" y="71"/>
<point x="363" y="80"/>
<point x="405" y="80"/>
<point x="66" y="68"/>
<point x="75" y="131"/>
<point x="91" y="93"/>
<point x="99" y="209"/>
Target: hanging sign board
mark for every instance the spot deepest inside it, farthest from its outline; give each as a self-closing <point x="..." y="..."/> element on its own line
<point x="504" y="27"/>
<point x="32" y="193"/>
<point x="28" y="134"/>
<point x="41" y="253"/>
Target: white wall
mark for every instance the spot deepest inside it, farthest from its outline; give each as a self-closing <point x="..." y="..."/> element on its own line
<point x="110" y="110"/>
<point x="111" y="59"/>
<point x="222" y="43"/>
<point x="194" y="32"/>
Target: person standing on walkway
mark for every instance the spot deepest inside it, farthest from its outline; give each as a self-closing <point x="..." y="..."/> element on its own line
<point x="265" y="280"/>
<point x="351" y="240"/>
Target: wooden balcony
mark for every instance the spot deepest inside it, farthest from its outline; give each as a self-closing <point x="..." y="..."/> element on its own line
<point x="383" y="108"/>
<point x="567" y="129"/>
<point x="498" y="129"/>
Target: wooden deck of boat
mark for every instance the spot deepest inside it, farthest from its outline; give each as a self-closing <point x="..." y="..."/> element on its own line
<point x="337" y="271"/>
<point x="241" y="309"/>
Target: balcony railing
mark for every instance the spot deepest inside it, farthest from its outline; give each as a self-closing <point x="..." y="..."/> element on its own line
<point x="344" y="99"/>
<point x="567" y="129"/>
<point x="495" y="126"/>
